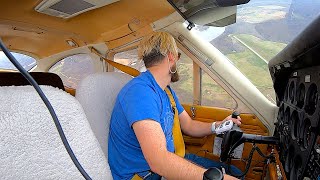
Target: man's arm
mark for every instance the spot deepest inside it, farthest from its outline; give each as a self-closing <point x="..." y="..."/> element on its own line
<point x="162" y="162"/>
<point x="153" y="143"/>
<point x="197" y="128"/>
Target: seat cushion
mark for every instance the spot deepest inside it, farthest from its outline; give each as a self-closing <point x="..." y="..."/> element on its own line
<point x="31" y="147"/>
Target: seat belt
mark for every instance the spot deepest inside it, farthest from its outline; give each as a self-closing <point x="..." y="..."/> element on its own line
<point x="178" y="141"/>
<point x="176" y="129"/>
<point x="136" y="177"/>
<point x="126" y="69"/>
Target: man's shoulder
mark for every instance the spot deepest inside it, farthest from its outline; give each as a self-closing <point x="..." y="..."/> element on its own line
<point x="137" y="86"/>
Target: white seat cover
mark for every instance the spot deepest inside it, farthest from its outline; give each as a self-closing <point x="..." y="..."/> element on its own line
<point x="30" y="146"/>
<point x="97" y="94"/>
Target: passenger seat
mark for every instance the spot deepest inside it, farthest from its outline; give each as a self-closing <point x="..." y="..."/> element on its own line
<point x="97" y="94"/>
<point x="31" y="147"/>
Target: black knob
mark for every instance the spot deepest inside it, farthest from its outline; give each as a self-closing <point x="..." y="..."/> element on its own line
<point x="213" y="174"/>
<point x="235" y="114"/>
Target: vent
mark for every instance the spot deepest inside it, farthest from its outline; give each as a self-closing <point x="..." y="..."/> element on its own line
<point x="70" y="8"/>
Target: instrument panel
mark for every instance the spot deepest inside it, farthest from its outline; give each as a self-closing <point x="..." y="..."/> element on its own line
<point x="313" y="169"/>
<point x="298" y="125"/>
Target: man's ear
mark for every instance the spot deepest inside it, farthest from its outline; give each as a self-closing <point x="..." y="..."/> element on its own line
<point x="171" y="57"/>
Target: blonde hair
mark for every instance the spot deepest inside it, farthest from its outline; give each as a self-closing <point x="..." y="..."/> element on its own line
<point x="155" y="47"/>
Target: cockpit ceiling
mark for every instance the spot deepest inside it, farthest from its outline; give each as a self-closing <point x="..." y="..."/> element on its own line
<point x="24" y="29"/>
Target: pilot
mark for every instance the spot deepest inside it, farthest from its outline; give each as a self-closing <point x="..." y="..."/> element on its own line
<point x="141" y="136"/>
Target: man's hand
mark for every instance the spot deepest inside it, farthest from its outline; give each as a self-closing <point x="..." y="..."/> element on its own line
<point x="221" y="130"/>
<point x="235" y="120"/>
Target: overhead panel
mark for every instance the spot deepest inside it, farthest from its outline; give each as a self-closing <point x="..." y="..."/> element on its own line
<point x="69" y="8"/>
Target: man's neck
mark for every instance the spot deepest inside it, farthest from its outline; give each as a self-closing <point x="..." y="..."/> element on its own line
<point x="162" y="77"/>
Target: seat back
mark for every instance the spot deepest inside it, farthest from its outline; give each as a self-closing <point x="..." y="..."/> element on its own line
<point x="97" y="94"/>
<point x="42" y="78"/>
<point x="31" y="147"/>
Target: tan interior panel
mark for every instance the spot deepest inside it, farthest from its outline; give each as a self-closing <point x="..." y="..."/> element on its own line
<point x="129" y="37"/>
<point x="133" y="18"/>
<point x="70" y="91"/>
<point x="204" y="146"/>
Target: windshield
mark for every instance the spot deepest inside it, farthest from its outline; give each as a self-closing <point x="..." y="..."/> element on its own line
<point x="263" y="29"/>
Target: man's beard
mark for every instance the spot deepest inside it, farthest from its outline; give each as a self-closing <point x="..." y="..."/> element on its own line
<point x="174" y="76"/>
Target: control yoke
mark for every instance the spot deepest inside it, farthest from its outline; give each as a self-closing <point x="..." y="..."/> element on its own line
<point x="233" y="138"/>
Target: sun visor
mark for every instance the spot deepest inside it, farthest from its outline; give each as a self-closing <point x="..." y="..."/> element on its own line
<point x="208" y="12"/>
<point x="218" y="17"/>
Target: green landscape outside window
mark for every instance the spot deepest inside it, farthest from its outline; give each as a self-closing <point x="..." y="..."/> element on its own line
<point x="262" y="30"/>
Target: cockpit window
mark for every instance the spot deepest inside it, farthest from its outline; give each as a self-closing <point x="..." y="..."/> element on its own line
<point x="130" y="58"/>
<point x="26" y="61"/>
<point x="262" y="30"/>
<point x="73" y="69"/>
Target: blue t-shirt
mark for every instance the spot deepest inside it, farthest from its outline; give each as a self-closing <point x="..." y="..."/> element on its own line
<point x="142" y="98"/>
